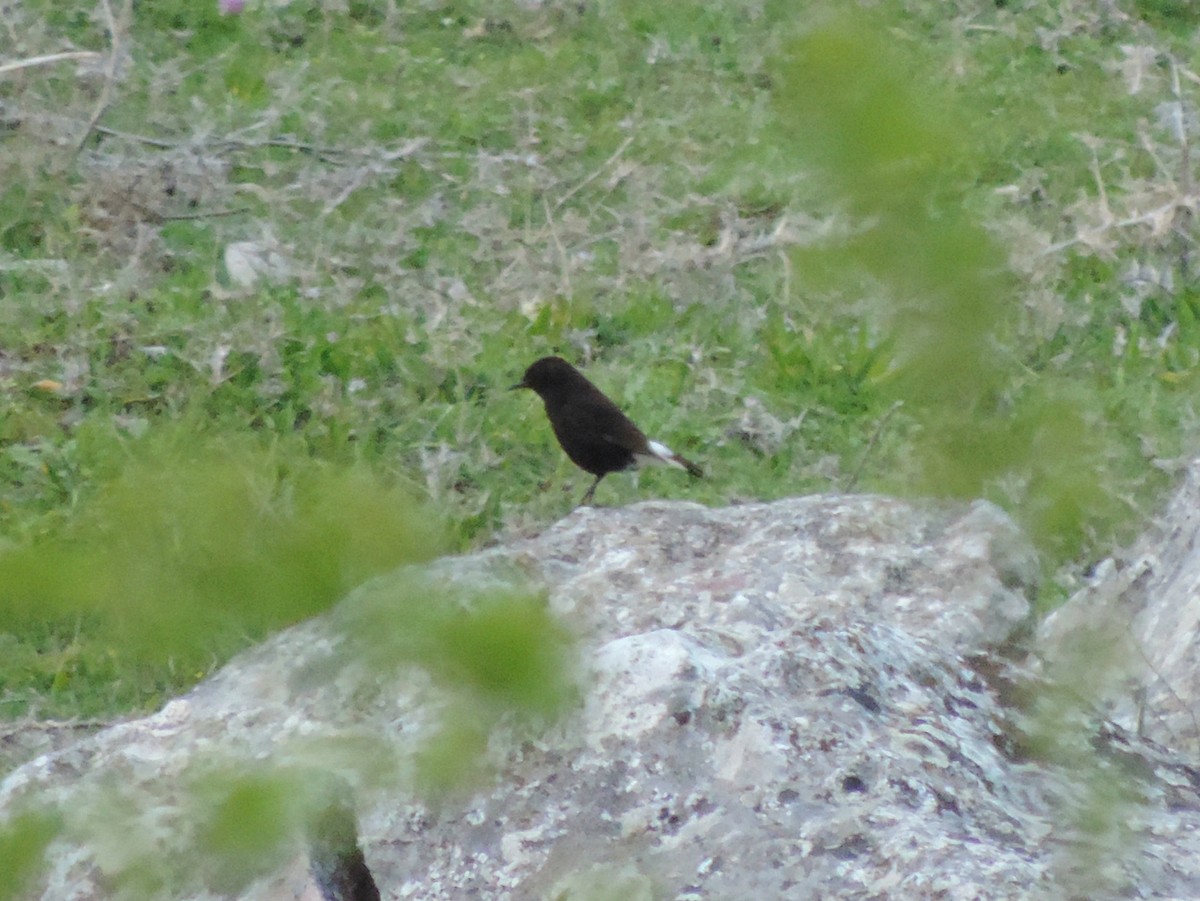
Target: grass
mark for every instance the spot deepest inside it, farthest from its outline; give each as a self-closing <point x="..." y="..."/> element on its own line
<point x="452" y="190"/>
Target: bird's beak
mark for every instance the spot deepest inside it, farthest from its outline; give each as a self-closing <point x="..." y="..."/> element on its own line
<point x="518" y="385"/>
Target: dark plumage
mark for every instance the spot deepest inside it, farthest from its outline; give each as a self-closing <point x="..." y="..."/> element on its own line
<point x="336" y="862"/>
<point x="597" y="436"/>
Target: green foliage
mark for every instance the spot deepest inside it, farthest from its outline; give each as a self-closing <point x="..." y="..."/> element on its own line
<point x="198" y="546"/>
<point x="23" y="842"/>
<point x="24" y="216"/>
<point x="836" y="369"/>
<point x="1178" y="15"/>
<point x="452" y="756"/>
<point x="493" y="656"/>
<point x="885" y="142"/>
<point x="501" y="653"/>
<point x="504" y="647"/>
<point x="508" y="650"/>
<point x="891" y="146"/>
<point x="245" y="822"/>
<point x="239" y="824"/>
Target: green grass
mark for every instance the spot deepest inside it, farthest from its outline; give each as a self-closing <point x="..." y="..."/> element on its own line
<point x="470" y="186"/>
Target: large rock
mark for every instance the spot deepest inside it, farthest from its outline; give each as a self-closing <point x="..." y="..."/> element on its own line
<point x="1133" y="632"/>
<point x="786" y="700"/>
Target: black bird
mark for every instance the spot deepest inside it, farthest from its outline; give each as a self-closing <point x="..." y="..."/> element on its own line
<point x="597" y="436"/>
<point x="336" y="861"/>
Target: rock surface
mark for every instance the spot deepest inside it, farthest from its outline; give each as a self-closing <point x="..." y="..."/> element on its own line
<point x="784" y="700"/>
<point x="1134" y="630"/>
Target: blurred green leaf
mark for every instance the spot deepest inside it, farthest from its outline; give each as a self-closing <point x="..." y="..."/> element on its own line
<point x="198" y="544"/>
<point x="503" y="646"/>
<point x="893" y="148"/>
<point x="246" y="824"/>
<point x="23" y="842"/>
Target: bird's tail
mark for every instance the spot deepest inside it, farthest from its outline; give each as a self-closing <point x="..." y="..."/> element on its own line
<point x="663" y="454"/>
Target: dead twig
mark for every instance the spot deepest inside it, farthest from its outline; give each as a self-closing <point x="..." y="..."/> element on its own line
<point x="1181" y="132"/>
<point x="883" y="421"/>
<point x="1170" y="689"/>
<point x="115" y="48"/>
<point x="316" y="150"/>
<point x="1151" y="218"/>
<point x="326" y="154"/>
<point x="596" y="174"/>
<point x="10" y="730"/>
<point x="47" y="60"/>
<point x="210" y="214"/>
<point x="411" y="149"/>
<point x="1168" y="219"/>
<point x="549" y="210"/>
<point x="564" y="260"/>
<point x="1186" y="183"/>
<point x="141" y="139"/>
<point x="357" y="181"/>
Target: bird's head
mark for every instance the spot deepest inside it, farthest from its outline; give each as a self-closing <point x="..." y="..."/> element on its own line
<point x="547" y="375"/>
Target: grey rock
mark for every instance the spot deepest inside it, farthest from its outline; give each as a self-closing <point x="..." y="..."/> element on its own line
<point x="1133" y="632"/>
<point x="800" y="699"/>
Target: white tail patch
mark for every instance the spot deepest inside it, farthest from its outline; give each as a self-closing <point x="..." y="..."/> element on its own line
<point x="660" y="453"/>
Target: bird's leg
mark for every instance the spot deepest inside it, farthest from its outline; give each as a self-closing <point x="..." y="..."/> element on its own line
<point x="587" y="498"/>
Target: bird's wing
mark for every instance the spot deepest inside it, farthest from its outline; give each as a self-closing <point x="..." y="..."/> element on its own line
<point x="616" y="428"/>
